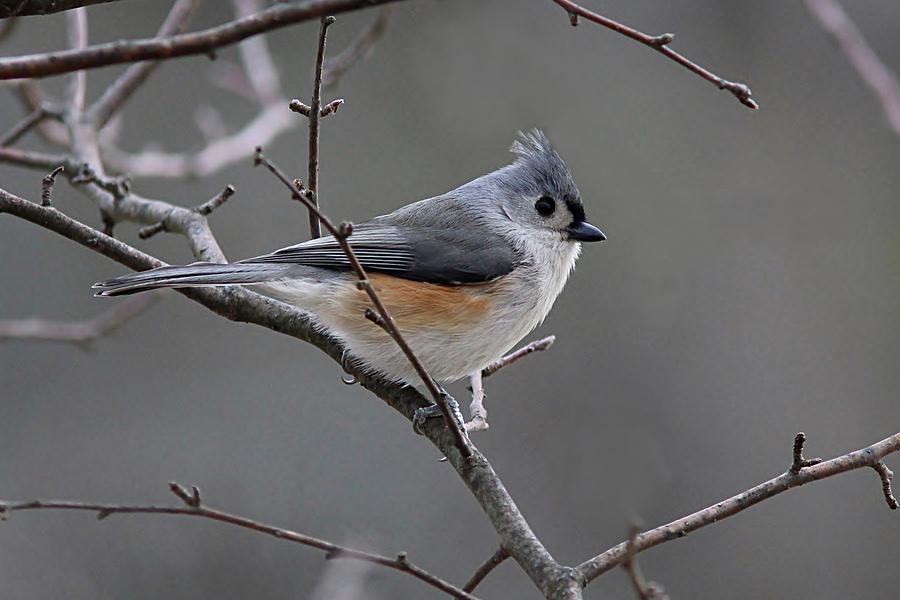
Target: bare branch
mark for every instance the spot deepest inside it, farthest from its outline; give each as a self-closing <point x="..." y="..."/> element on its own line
<point x="886" y="476"/>
<point x="800" y="462"/>
<point x="359" y="50"/>
<point x="81" y="333"/>
<point x="194" y="507"/>
<point x="200" y="42"/>
<point x="858" y="459"/>
<point x="832" y="18"/>
<point x="493" y="561"/>
<point x="78" y="38"/>
<point x="22" y="8"/>
<point x="32" y="159"/>
<point x="660" y="43"/>
<point x="535" y="346"/>
<point x="122" y="88"/>
<point x="315" y="107"/>
<point x="22" y="127"/>
<point x="32" y="99"/>
<point x="203" y="209"/>
<point x="646" y="590"/>
<point x="47" y="184"/>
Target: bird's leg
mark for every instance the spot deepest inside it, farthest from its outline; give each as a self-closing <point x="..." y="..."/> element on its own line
<point x="477" y="412"/>
<point x="434" y="411"/>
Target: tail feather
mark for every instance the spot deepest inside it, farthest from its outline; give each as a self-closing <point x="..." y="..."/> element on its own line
<point x="194" y="275"/>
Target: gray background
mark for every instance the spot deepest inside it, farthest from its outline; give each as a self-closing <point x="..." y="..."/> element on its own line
<point x="748" y="290"/>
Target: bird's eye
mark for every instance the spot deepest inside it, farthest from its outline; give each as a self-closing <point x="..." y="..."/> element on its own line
<point x="545" y="206"/>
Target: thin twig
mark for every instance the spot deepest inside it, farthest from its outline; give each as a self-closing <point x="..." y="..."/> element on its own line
<point x="32" y="99"/>
<point x="646" y="590"/>
<point x="800" y="462"/>
<point x="22" y="127"/>
<point x="359" y="50"/>
<point x="194" y="507"/>
<point x="858" y="459"/>
<point x="886" y="476"/>
<point x="203" y="209"/>
<point x="315" y="106"/>
<point x="535" y="346"/>
<point x="461" y="440"/>
<point x="32" y="159"/>
<point x="81" y="333"/>
<point x="493" y="561"/>
<point x="874" y="73"/>
<point x="660" y="43"/>
<point x="122" y="88"/>
<point x="47" y="184"/>
<point x="199" y="42"/>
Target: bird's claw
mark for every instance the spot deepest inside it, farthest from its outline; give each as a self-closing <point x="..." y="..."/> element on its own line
<point x="421" y="416"/>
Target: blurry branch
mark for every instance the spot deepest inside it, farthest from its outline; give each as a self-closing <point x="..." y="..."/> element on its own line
<point x="203" y="209"/>
<point x="646" y="590"/>
<point x="76" y="22"/>
<point x="118" y="93"/>
<point x="14" y="8"/>
<point x="32" y="99"/>
<point x="832" y="18"/>
<point x="199" y="42"/>
<point x="660" y="43"/>
<point x="357" y="51"/>
<point x="493" y="561"/>
<point x="194" y="507"/>
<point x="81" y="333"/>
<point x="869" y="457"/>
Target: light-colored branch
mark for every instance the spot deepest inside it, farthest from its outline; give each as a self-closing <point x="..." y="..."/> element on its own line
<point x="80" y="333"/>
<point x="512" y="357"/>
<point x="645" y="590"/>
<point x="134" y="76"/>
<point x="195" y="507"/>
<point x="868" y="457"/>
<point x="200" y="42"/>
<point x="78" y="37"/>
<point x="874" y="73"/>
<point x="660" y="43"/>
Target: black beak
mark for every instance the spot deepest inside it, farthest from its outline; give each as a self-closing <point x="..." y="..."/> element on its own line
<point x="582" y="231"/>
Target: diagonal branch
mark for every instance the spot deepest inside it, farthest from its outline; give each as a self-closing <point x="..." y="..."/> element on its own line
<point x="660" y="43"/>
<point x="493" y="561"/>
<point x="200" y="42"/>
<point x="122" y="88"/>
<point x="870" y="456"/>
<point x="81" y="333"/>
<point x="832" y="18"/>
<point x="194" y="507"/>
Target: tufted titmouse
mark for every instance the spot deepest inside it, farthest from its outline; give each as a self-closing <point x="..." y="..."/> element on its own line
<point x="466" y="274"/>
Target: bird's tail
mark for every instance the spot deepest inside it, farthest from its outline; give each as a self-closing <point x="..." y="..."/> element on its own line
<point x="194" y="275"/>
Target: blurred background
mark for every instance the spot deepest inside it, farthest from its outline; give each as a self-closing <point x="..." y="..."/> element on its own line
<point x="748" y="290"/>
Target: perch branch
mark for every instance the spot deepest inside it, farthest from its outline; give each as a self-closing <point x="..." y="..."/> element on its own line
<point x="832" y="18"/>
<point x="660" y="43"/>
<point x="870" y="456"/>
<point x="199" y="42"/>
<point x="387" y="321"/>
<point x="194" y="507"/>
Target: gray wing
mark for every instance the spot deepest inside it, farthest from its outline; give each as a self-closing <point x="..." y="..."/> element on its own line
<point x="420" y="253"/>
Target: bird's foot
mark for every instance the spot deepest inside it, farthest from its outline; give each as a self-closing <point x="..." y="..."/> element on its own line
<point x="421" y="416"/>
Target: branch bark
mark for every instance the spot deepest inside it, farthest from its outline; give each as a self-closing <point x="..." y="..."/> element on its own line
<point x="866" y="457"/>
<point x="194" y="507"/>
<point x="200" y="42"/>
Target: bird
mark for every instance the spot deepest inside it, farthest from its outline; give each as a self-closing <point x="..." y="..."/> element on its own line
<point x="465" y="275"/>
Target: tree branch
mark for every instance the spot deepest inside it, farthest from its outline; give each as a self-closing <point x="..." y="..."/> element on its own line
<point x="200" y="42"/>
<point x="80" y="333"/>
<point x="194" y="507"/>
<point x="870" y="456"/>
<point x="493" y="561"/>
<point x="660" y="43"/>
<point x="832" y="18"/>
